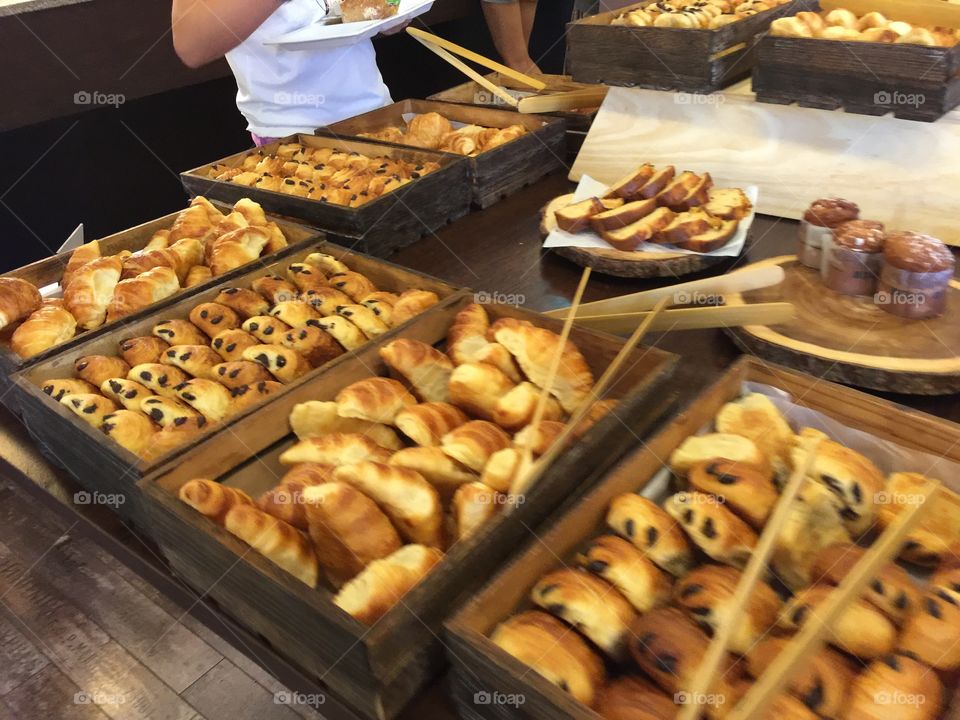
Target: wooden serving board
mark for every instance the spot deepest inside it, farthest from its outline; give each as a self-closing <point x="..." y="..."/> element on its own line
<point x="851" y="340"/>
<point x="619" y="262"/>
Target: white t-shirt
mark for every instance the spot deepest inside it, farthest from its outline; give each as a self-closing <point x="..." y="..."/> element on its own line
<point x="282" y="92"/>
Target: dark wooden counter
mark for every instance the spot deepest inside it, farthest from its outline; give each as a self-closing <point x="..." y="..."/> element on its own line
<point x="496" y="251"/>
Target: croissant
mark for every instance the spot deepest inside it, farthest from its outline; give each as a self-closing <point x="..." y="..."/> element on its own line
<point x="130" y="296"/>
<point x="412" y="303"/>
<point x="456" y="142"/>
<point x="78" y="258"/>
<point x="478" y="388"/>
<point x="45" y="328"/>
<point x="281" y="543"/>
<point x="236" y="248"/>
<point x="337" y="448"/>
<point x="427" y="423"/>
<point x="436" y="467"/>
<point x="315" y="418"/>
<point x="375" y="399"/>
<point x="516" y="407"/>
<point x="473" y="505"/>
<point x="180" y="257"/>
<point x="91" y="290"/>
<point x="196" y="275"/>
<point x="193" y="222"/>
<point x="251" y="211"/>
<point x="424" y="368"/>
<point x="474" y="442"/>
<point x="286" y="501"/>
<point x="213" y="215"/>
<point x="467" y="334"/>
<point x="427" y="130"/>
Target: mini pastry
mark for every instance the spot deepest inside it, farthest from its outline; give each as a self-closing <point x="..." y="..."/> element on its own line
<point x="364" y="318"/>
<point x="411" y="503"/>
<point x="280" y="543"/>
<point x="427" y="423"/>
<point x="381" y="308"/>
<point x="275" y="289"/>
<point x="196" y="360"/>
<point x="891" y="591"/>
<point x="90" y="407"/>
<point x="749" y="492"/>
<point x="335" y="449"/>
<point x="96" y="369"/>
<point x="166" y="412"/>
<point x="327" y="264"/>
<point x="212" y="498"/>
<point x="125" y="392"/>
<point x="375" y="399"/>
<point x="411" y="303"/>
<point x="315" y="419"/>
<point x="515" y="408"/>
<point x="213" y="318"/>
<point x="134" y="294"/>
<point x="652" y="531"/>
<point x="473" y="505"/>
<point x="861" y="630"/>
<point x="895" y="687"/>
<point x="265" y="328"/>
<point x="547" y="645"/>
<point x="668" y="646"/>
<point x="140" y="350"/>
<point x="230" y="344"/>
<point x="245" y="302"/>
<point x="196" y="275"/>
<point x="478" y="388"/>
<point x="160" y="379"/>
<point x="183" y="431"/>
<point x="326" y="300"/>
<point x="474" y="442"/>
<point x="58" y="387"/>
<point x="932" y="632"/>
<point x="706" y="593"/>
<point x="294" y="313"/>
<point x="621" y="564"/>
<point x="284" y="364"/>
<point x="316" y="345"/>
<point x="823" y="215"/>
<point x="382" y="584"/>
<point x="438" y="468"/>
<point x="179" y="332"/>
<point x="714" y="446"/>
<point x="425" y="370"/>
<point x="547" y="433"/>
<point x="500" y="472"/>
<point x="209" y="398"/>
<point x="717" y="531"/>
<point x="348" y="530"/>
<point x="342" y="330"/>
<point x="352" y="284"/>
<point x="306" y="277"/>
<point x="250" y="395"/>
<point x="755" y="417"/>
<point x="915" y="276"/>
<point x="634" y="698"/>
<point x="238" y="373"/>
<point x="592" y="605"/>
<point x="236" y="248"/>
<point x="129" y="428"/>
<point x="48" y="326"/>
<point x="78" y="258"/>
<point x="86" y="297"/>
<point x="930" y="541"/>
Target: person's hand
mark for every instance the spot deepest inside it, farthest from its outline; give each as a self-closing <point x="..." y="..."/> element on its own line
<point x="397" y="29"/>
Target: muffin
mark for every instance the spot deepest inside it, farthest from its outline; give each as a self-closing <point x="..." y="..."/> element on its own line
<point x="851" y="258"/>
<point x="818" y="222"/>
<point x="915" y="276"/>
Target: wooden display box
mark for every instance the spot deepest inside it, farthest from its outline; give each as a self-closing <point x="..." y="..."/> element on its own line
<point x="377" y="670"/>
<point x="494" y="174"/>
<point x="911" y="81"/>
<point x="100" y="464"/>
<point x="479" y="666"/>
<point x="49" y="271"/>
<point x="378" y="227"/>
<point x="662" y="58"/>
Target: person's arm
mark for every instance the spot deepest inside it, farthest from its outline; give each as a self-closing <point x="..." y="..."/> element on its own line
<point x="511" y="34"/>
<point x="204" y="30"/>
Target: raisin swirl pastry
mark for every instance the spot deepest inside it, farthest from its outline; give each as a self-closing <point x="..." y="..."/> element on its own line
<point x="246" y="303"/>
<point x="623" y="566"/>
<point x="127" y="393"/>
<point x="265" y="328"/>
<point x="823" y="683"/>
<point x="213" y="318"/>
<point x="554" y="651"/>
<point x="652" y="531"/>
<point x="95" y="369"/>
<point x="895" y="687"/>
<point x="180" y="332"/>
<point x="717" y="531"/>
<point x="932" y="633"/>
<point x="130" y="429"/>
<point x="140" y="350"/>
<point x="668" y="646"/>
<point x="230" y="344"/>
<point x="294" y="313"/>
<point x="195" y="360"/>
<point x="707" y="593"/>
<point x="593" y="606"/>
<point x="160" y="379"/>
<point x="89" y="407"/>
<point x="166" y="412"/>
<point x="239" y="373"/>
<point x="749" y="492"/>
<point x="317" y="346"/>
<point x="306" y="277"/>
<point x="209" y="398"/>
<point x="284" y="364"/>
<point x="57" y="388"/>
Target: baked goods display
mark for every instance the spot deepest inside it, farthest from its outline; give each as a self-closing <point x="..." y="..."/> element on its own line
<point x="324" y="174"/>
<point x="705" y="14"/>
<point x="102" y="289"/>
<point x="660" y="205"/>
<point x="394" y="470"/>
<point x="432" y="131"/>
<point x="232" y="352"/>
<point x="660" y="578"/>
<point x="845" y="25"/>
<point x="907" y="274"/>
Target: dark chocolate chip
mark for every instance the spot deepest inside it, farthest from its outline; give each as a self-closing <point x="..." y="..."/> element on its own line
<point x="652" y="536"/>
<point x="597" y="566"/>
<point x="281" y="361"/>
<point x="902" y="601"/>
<point x="892" y="662"/>
<point x="687" y="516"/>
<point x="667" y="664"/>
<point x="700" y="610"/>
<point x="877" y="586"/>
<point x="629" y="528"/>
<point x="204" y="314"/>
<point x="709" y="529"/>
<point x="813" y="698"/>
<point x="691" y="589"/>
<point x="799" y="615"/>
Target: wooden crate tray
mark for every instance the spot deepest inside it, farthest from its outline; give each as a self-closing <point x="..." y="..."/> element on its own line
<point x="49" y="271"/>
<point x="379" y="227"/>
<point x="494" y="174"/>
<point x="377" y="670"/>
<point x="662" y="58"/>
<point x="96" y="461"/>
<point x="912" y="82"/>
<point x="481" y="667"/>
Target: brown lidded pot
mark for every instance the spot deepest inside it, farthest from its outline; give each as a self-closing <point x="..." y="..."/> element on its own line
<point x="852" y="257"/>
<point x="915" y="276"/>
<point x="818" y="223"/>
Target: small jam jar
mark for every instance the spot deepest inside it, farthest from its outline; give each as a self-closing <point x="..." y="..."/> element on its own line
<point x="818" y="222"/>
<point x="915" y="276"/>
<point x="852" y="257"/>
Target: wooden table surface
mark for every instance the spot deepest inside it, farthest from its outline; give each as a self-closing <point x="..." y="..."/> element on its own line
<point x="496" y="252"/>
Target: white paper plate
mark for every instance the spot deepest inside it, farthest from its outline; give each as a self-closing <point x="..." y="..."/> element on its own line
<point x="320" y="37"/>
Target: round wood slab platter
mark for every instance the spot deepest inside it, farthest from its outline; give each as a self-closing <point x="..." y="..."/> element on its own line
<point x="851" y="340"/>
<point x="621" y="263"/>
